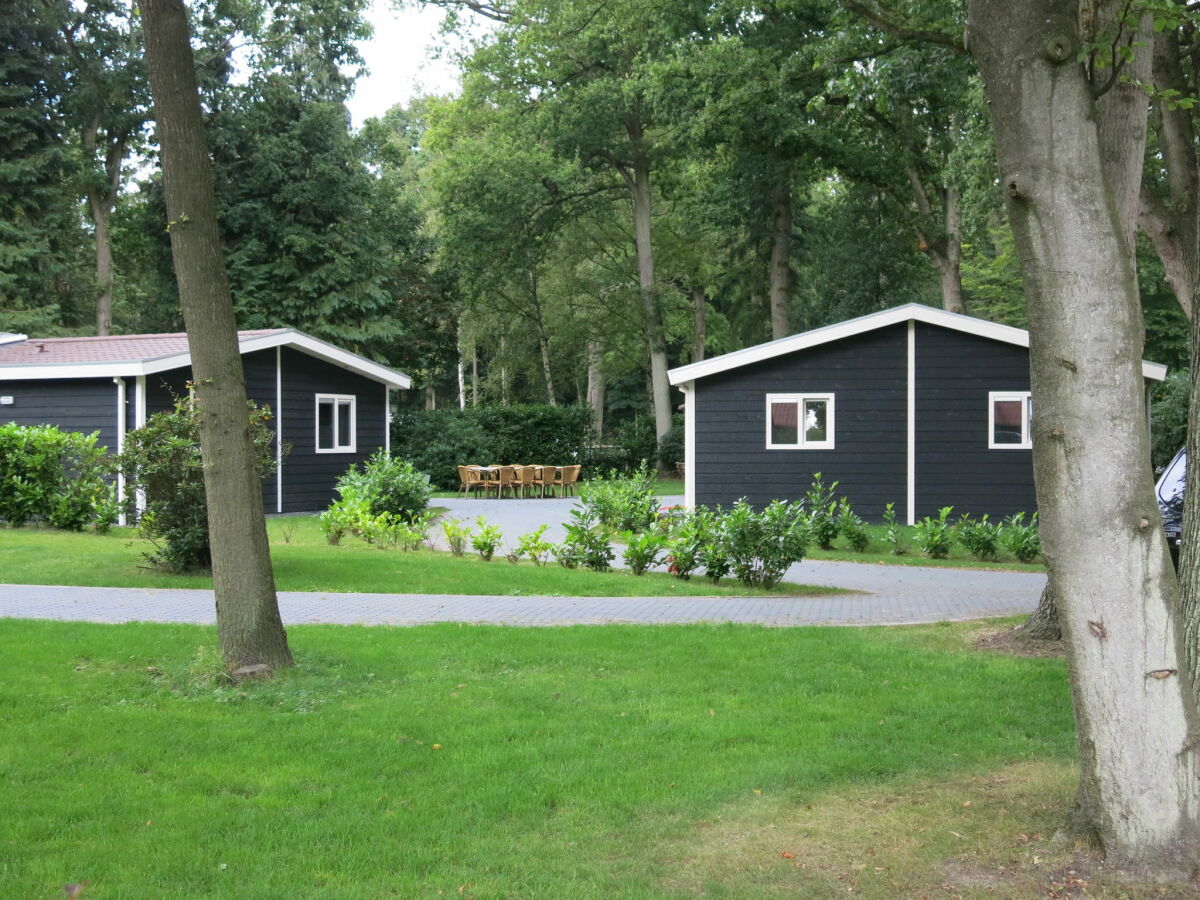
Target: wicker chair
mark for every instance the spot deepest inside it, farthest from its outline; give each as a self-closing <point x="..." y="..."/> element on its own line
<point x="469" y="479"/>
<point x="505" y="479"/>
<point x="565" y="478"/>
<point x="526" y="479"/>
<point x="543" y="477"/>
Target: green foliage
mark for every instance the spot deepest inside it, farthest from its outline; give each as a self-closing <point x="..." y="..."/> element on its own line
<point x="895" y="534"/>
<point x="588" y="542"/>
<point x="1169" y="416"/>
<point x="438" y="441"/>
<point x="822" y="510"/>
<point x="486" y="541"/>
<point x="386" y="484"/>
<point x="760" y="546"/>
<point x="979" y="537"/>
<point x="59" y="477"/>
<point x="642" y="551"/>
<point x="688" y="537"/>
<point x="340" y="519"/>
<point x="851" y="527"/>
<point x="457" y="534"/>
<point x="161" y="462"/>
<point x="934" y="536"/>
<point x="1021" y="539"/>
<point x="623" y="502"/>
<point x="670" y="447"/>
<point x="534" y="546"/>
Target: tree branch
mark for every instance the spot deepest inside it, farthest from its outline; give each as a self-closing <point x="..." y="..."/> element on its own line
<point x="872" y="11"/>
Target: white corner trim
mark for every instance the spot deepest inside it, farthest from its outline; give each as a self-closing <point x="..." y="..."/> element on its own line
<point x="689" y="444"/>
<point x="911" y="312"/>
<point x="139" y="421"/>
<point x="120" y="383"/>
<point x="800" y="400"/>
<point x="1026" y="437"/>
<point x="911" y="495"/>
<point x="278" y="430"/>
<point x="387" y="420"/>
<point x="339" y="445"/>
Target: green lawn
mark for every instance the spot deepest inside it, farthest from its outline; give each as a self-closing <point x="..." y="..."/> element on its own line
<point x="574" y="763"/>
<point x="880" y="551"/>
<point x="305" y="562"/>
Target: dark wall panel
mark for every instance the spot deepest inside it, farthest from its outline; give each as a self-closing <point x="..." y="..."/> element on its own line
<point x="308" y="476"/>
<point x="955" y="372"/>
<point x="84" y="404"/>
<point x="866" y="374"/>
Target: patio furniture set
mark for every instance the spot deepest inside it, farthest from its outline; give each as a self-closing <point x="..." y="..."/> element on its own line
<point x="518" y="481"/>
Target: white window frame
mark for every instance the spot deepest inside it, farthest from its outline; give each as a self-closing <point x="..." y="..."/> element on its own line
<point x="800" y="400"/>
<point x="1026" y="438"/>
<point x="339" y="446"/>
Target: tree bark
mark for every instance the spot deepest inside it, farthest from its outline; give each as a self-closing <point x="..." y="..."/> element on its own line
<point x="944" y="250"/>
<point x="1118" y="600"/>
<point x="248" y="622"/>
<point x="638" y="179"/>
<point x="1043" y="624"/>
<point x="101" y="202"/>
<point x="699" y="314"/>
<point x="595" y="383"/>
<point x="781" y="256"/>
<point x="544" y="347"/>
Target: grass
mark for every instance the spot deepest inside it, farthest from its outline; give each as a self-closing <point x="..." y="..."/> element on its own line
<point x="880" y="551"/>
<point x="489" y="762"/>
<point x="305" y="562"/>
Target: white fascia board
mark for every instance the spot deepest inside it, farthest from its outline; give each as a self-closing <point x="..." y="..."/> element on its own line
<point x="328" y="352"/>
<point x="918" y="312"/>
<point x="73" y="370"/>
<point x="7" y="337"/>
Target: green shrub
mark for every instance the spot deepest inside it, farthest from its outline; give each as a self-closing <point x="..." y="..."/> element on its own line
<point x="850" y="526"/>
<point x="339" y="520"/>
<point x="933" y="536"/>
<point x="438" y="441"/>
<point x="487" y="540"/>
<point x="587" y="542"/>
<point x="760" y="546"/>
<point x="623" y="502"/>
<point x="386" y="485"/>
<point x="822" y="512"/>
<point x="59" y="477"/>
<point x="895" y="534"/>
<point x="670" y="446"/>
<point x="534" y="545"/>
<point x="979" y="537"/>
<point x="1019" y="539"/>
<point x="688" y="536"/>
<point x="642" y="550"/>
<point x="161" y="461"/>
<point x="457" y="535"/>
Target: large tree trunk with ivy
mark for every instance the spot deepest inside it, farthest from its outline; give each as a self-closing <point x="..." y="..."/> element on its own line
<point x="248" y="620"/>
<point x="1136" y="716"/>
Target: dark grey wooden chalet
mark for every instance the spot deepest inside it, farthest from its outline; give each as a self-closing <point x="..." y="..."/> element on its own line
<point x="913" y="406"/>
<point x="331" y="406"/>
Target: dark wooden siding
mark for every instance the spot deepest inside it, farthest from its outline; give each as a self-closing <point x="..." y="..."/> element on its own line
<point x="308" y="476"/>
<point x="75" y="404"/>
<point x="867" y="376"/>
<point x="954" y="466"/>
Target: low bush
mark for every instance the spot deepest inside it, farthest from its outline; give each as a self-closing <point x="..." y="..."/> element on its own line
<point x="895" y="534"/>
<point x="760" y="546"/>
<point x="534" y="546"/>
<point x="687" y="537"/>
<point x="933" y="536"/>
<point x="851" y="527"/>
<point x="622" y="502"/>
<point x="822" y="511"/>
<point x="386" y="484"/>
<point x="588" y="542"/>
<point x="457" y="534"/>
<point x="486" y="541"/>
<point x="642" y="551"/>
<point x="162" y="464"/>
<point x="1021" y="539"/>
<point x="59" y="477"/>
<point x="979" y="537"/>
<point x="670" y="446"/>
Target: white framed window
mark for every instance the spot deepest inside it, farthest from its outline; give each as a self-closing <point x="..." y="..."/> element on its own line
<point x="799" y="421"/>
<point x="336" y="423"/>
<point x="1009" y="417"/>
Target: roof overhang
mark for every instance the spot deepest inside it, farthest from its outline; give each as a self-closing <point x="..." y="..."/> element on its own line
<point x="909" y="312"/>
<point x="286" y="337"/>
<point x="7" y="337"/>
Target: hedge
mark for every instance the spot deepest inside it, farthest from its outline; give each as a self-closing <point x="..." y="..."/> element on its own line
<point x="59" y="477"/>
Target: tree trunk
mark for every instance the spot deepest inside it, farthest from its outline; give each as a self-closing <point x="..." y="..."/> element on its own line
<point x="595" y="384"/>
<point x="699" y="309"/>
<point x="1043" y="624"/>
<point x="656" y="345"/>
<point x="248" y="622"/>
<point x="944" y="250"/>
<point x="101" y="208"/>
<point x="544" y="347"/>
<point x="1135" y="712"/>
<point x="474" y="373"/>
<point x="781" y="256"/>
<point x="430" y="397"/>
